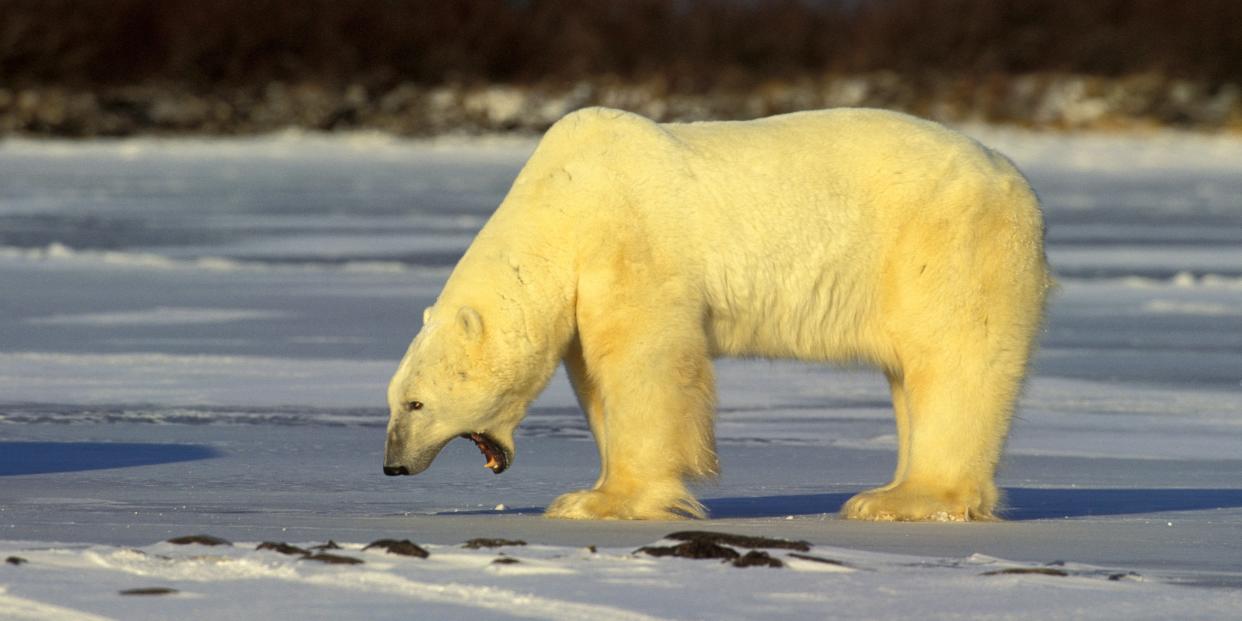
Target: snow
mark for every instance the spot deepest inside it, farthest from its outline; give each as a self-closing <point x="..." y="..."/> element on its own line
<point x="554" y="582"/>
<point x="195" y="337"/>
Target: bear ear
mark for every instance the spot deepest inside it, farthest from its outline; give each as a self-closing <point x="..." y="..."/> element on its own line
<point x="470" y="322"/>
<point x="426" y="315"/>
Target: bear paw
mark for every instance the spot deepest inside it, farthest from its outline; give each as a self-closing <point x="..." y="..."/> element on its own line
<point x="597" y="504"/>
<point x="899" y="503"/>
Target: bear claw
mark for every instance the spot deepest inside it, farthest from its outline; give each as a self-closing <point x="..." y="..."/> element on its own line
<point x="902" y="505"/>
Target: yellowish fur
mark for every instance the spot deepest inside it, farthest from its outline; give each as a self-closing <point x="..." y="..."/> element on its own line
<point x="637" y="252"/>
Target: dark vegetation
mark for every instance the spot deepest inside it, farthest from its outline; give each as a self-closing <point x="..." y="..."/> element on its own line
<point x="333" y="559"/>
<point x="697" y="550"/>
<point x="695" y="45"/>
<point x="202" y="540"/>
<point x="700" y="548"/>
<point x="150" y="591"/>
<point x="487" y="542"/>
<point x="403" y="547"/>
<point x="283" y="548"/>
<point x="741" y="541"/>
<point x="83" y="67"/>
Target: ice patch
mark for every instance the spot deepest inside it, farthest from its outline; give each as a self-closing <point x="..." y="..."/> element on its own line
<point x="285" y="145"/>
<point x="1179" y="280"/>
<point x="58" y="253"/>
<point x="192" y="380"/>
<point x="286" y="416"/>
<point x="1121" y="153"/>
<point x="1181" y="261"/>
<point x="159" y="316"/>
<point x="1178" y="307"/>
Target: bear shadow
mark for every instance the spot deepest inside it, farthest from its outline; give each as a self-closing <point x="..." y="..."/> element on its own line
<point x="18" y="458"/>
<point x="1020" y="503"/>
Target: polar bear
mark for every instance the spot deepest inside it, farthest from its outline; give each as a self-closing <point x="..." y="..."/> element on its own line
<point x="636" y="252"/>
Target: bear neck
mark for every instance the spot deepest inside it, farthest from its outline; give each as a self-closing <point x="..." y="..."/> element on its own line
<point x="518" y="275"/>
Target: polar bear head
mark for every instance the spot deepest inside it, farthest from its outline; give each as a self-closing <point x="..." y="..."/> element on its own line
<point x="456" y="380"/>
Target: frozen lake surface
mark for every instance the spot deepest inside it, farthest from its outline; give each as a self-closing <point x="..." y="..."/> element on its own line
<point x="195" y="337"/>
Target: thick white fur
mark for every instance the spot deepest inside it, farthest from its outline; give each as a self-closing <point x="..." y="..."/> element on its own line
<point x="636" y="252"/>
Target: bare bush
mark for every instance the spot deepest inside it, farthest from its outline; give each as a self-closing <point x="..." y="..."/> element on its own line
<point x="243" y="65"/>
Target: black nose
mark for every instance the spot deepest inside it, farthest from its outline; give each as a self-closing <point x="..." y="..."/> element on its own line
<point x="393" y="471"/>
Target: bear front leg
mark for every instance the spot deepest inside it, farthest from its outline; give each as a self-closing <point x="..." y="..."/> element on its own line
<point x="589" y="399"/>
<point x="650" y="400"/>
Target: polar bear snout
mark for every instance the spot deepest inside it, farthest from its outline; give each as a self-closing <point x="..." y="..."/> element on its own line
<point x="394" y="452"/>
<point x="409" y="452"/>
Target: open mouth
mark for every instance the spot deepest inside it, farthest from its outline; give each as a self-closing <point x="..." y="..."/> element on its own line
<point x="496" y="459"/>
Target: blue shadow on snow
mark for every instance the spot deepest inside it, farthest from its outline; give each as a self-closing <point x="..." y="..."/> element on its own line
<point x="1021" y="503"/>
<point x="48" y="457"/>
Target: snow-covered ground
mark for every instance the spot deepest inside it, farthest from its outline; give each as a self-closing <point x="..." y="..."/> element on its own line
<point x="195" y="337"/>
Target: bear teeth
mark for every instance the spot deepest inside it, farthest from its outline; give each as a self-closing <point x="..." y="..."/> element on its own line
<point x="496" y="461"/>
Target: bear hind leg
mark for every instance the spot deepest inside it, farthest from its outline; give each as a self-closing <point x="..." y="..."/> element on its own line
<point x="957" y="417"/>
<point x="901" y="416"/>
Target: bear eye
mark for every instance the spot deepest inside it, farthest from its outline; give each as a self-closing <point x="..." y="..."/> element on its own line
<point x="414" y="405"/>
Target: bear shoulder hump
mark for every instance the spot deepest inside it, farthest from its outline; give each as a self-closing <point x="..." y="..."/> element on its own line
<point x="601" y="122"/>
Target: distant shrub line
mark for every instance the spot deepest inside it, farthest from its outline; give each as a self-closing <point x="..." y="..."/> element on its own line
<point x="1056" y="101"/>
<point x="693" y="45"/>
<point x="117" y="67"/>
